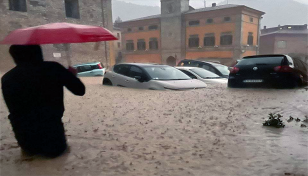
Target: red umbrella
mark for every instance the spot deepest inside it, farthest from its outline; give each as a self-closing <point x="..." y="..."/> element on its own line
<point x="56" y="33"/>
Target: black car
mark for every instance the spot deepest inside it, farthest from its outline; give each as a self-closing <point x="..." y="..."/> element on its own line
<point x="275" y="70"/>
<point x="220" y="70"/>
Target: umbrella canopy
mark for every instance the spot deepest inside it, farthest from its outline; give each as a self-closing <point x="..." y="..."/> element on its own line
<point x="57" y="33"/>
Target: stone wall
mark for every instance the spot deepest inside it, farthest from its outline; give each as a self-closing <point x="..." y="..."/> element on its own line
<point x="42" y="12"/>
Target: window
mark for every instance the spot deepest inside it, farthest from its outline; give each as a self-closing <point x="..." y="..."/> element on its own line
<point x="281" y="44"/>
<point x="18" y="5"/>
<point x="130" y="45"/>
<point x="193" y="41"/>
<point x="141" y="28"/>
<point x="209" y="21"/>
<point x="153" y="27"/>
<point x="250" y="38"/>
<point x="141" y="44"/>
<point x="153" y="44"/>
<point x="118" y="36"/>
<point x="251" y="19"/>
<point x="226" y="19"/>
<point x="72" y="9"/>
<point x="119" y="45"/>
<point x="135" y="71"/>
<point x="122" y="69"/>
<point x="84" y="68"/>
<point x="205" y="74"/>
<point x="129" y="30"/>
<point x="194" y="23"/>
<point x="226" y="39"/>
<point x="170" y="8"/>
<point x="209" y="40"/>
<point x="189" y="74"/>
<point x="209" y="68"/>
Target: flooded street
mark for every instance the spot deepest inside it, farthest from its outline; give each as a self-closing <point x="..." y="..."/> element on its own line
<point x="213" y="131"/>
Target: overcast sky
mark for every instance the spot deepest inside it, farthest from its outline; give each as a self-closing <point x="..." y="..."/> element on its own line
<point x="194" y="3"/>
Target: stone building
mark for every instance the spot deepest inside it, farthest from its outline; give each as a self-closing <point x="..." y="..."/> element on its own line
<point x="16" y="14"/>
<point x="221" y="33"/>
<point x="284" y="40"/>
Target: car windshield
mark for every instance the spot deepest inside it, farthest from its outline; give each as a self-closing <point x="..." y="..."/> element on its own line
<point x="204" y="73"/>
<point x="166" y="73"/>
<point x="223" y="69"/>
<point x="262" y="61"/>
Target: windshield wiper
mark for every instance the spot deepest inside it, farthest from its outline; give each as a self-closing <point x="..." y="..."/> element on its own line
<point x="261" y="64"/>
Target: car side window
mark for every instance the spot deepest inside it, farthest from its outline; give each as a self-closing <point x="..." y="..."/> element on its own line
<point x="206" y="67"/>
<point x="93" y="67"/>
<point x="194" y="64"/>
<point x="122" y="69"/>
<point x="212" y="70"/>
<point x="189" y="74"/>
<point x="135" y="71"/>
<point x="87" y="68"/>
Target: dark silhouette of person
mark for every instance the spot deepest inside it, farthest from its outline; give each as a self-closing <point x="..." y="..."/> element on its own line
<point x="33" y="93"/>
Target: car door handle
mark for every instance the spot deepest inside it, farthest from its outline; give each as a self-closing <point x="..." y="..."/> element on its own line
<point x="126" y="80"/>
<point x="113" y="76"/>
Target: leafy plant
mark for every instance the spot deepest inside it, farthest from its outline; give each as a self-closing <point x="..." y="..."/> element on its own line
<point x="274" y="121"/>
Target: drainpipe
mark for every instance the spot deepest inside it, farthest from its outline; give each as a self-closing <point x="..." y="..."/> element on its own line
<point x="259" y="35"/>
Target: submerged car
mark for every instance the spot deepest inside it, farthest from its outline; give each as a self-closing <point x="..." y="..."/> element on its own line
<point x="90" y="69"/>
<point x="203" y="75"/>
<point x="150" y="76"/>
<point x="220" y="70"/>
<point x="274" y="70"/>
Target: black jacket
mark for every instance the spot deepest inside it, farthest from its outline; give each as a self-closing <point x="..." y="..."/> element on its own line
<point x="33" y="92"/>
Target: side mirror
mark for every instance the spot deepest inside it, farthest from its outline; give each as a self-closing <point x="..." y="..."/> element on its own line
<point x="230" y="68"/>
<point x="139" y="78"/>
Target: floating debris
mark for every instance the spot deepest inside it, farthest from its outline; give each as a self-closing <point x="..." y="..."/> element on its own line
<point x="274" y="121"/>
<point x="290" y="119"/>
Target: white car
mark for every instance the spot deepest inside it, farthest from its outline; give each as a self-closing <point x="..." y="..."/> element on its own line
<point x="150" y="76"/>
<point x="203" y="75"/>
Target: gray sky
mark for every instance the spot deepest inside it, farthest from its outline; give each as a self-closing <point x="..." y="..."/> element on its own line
<point x="194" y="3"/>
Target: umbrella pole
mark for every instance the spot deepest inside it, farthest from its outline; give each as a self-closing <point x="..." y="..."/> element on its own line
<point x="68" y="58"/>
<point x="68" y="54"/>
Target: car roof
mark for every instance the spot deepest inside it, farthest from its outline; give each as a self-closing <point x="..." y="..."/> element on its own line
<point x="142" y="64"/>
<point x="89" y="63"/>
<point x="188" y="68"/>
<point x="213" y="63"/>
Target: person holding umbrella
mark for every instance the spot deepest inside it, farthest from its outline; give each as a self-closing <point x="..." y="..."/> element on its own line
<point x="33" y="90"/>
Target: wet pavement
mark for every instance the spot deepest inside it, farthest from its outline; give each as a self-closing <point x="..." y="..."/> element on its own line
<point x="212" y="131"/>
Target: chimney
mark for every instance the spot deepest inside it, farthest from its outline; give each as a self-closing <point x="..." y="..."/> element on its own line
<point x="214" y="5"/>
<point x="264" y="27"/>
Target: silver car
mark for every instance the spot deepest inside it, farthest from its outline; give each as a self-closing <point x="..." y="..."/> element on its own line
<point x="90" y="69"/>
<point x="203" y="75"/>
<point x="150" y="76"/>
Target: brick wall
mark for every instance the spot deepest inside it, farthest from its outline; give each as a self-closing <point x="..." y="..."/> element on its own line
<point x="42" y="12"/>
